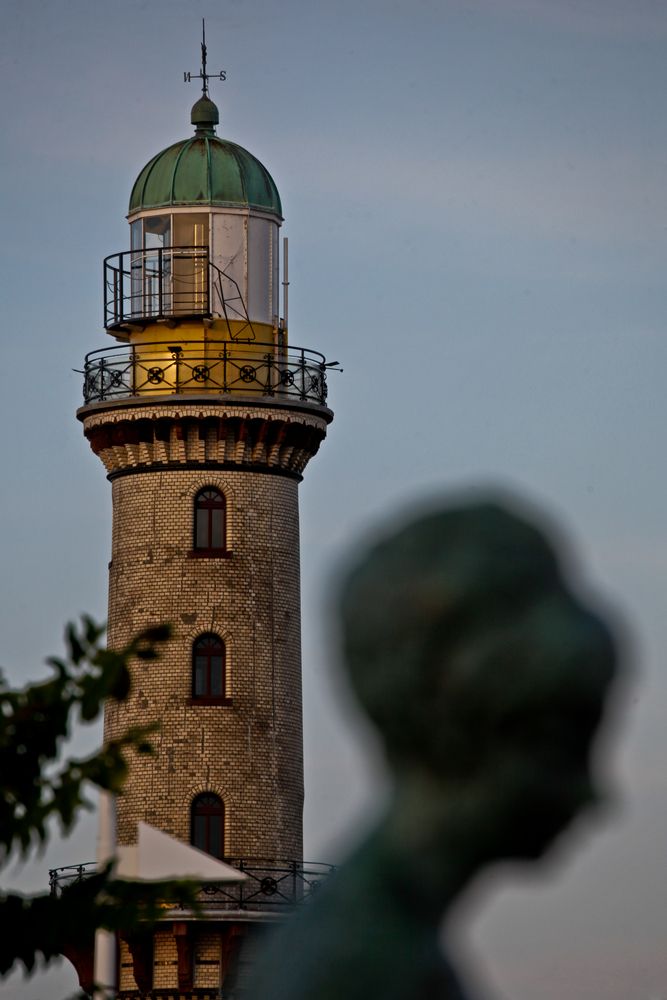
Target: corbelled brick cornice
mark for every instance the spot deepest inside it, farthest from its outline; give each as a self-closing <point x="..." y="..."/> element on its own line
<point x="184" y="434"/>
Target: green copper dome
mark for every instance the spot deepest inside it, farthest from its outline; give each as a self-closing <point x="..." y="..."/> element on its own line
<point x="205" y="170"/>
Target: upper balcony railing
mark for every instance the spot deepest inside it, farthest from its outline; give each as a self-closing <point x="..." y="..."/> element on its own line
<point x="142" y="286"/>
<point x="269" y="885"/>
<point x="210" y="366"/>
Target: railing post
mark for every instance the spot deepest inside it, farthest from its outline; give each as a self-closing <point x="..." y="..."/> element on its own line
<point x="134" y="370"/>
<point x="105" y="284"/>
<point x="224" y="368"/>
<point x="268" y="385"/>
<point x="121" y="297"/>
<point x="323" y="384"/>
<point x="207" y="271"/>
<point x="303" y="374"/>
<point x="241" y="884"/>
<point x="159" y="281"/>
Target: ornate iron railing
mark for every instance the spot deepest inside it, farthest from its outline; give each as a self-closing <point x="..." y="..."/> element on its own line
<point x="203" y="367"/>
<point x="269" y="885"/>
<point x="170" y="283"/>
<point x="60" y="878"/>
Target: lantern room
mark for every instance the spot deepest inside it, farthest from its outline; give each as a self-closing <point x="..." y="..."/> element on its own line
<point x="204" y="220"/>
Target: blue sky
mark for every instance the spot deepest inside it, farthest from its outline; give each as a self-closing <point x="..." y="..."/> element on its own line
<point x="475" y="196"/>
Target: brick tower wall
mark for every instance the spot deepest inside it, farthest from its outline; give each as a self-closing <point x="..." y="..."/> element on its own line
<point x="249" y="751"/>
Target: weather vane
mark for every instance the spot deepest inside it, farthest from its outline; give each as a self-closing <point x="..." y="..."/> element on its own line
<point x="204" y="76"/>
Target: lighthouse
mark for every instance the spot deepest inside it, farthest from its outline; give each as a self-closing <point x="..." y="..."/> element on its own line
<point x="204" y="416"/>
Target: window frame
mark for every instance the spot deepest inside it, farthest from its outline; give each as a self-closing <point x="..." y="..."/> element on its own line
<point x="221" y="649"/>
<point x="199" y="503"/>
<point x="215" y="810"/>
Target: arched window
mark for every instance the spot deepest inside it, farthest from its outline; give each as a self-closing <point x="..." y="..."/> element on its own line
<point x="208" y="667"/>
<point x="207" y="824"/>
<point x="209" y="520"/>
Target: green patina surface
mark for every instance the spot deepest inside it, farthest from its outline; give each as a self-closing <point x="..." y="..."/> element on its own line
<point x="205" y="170"/>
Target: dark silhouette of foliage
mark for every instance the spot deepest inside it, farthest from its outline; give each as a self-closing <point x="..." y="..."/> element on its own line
<point x="38" y="787"/>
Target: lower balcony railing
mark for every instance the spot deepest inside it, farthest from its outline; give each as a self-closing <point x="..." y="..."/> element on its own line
<point x="210" y="367"/>
<point x="269" y="885"/>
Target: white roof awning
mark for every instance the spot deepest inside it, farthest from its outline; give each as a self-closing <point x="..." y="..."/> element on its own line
<point x="157" y="857"/>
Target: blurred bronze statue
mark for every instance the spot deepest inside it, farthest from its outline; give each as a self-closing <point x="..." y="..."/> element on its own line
<point x="486" y="677"/>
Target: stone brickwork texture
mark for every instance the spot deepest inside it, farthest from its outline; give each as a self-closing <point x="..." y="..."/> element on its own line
<point x="219" y="954"/>
<point x="248" y="752"/>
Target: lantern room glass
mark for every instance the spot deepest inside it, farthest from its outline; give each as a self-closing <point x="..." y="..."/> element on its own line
<point x="169" y="264"/>
<point x="190" y="262"/>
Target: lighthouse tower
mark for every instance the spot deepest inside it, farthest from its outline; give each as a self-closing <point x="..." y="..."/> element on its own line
<point x="205" y="416"/>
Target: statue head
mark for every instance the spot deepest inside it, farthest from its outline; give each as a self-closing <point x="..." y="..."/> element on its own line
<point x="481" y="669"/>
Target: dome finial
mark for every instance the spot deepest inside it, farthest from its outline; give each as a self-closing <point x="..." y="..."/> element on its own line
<point x="204" y="114"/>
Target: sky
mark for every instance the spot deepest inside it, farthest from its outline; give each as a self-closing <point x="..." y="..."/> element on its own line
<point x="475" y="195"/>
